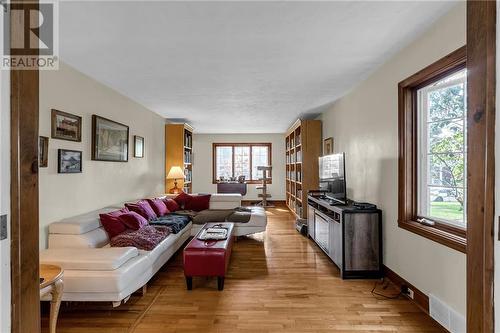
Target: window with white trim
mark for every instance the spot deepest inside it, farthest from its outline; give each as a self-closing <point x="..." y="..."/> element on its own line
<point x="232" y="160"/>
<point x="442" y="154"/>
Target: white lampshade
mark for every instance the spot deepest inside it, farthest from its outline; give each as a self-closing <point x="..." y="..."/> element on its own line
<point x="176" y="173"/>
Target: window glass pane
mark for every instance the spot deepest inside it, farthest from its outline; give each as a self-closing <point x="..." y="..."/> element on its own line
<point x="442" y="150"/>
<point x="445" y="136"/>
<point x="447" y="204"/>
<point x="242" y="161"/>
<point x="224" y="161"/>
<point x="447" y="102"/>
<point x="259" y="158"/>
<point x="447" y="170"/>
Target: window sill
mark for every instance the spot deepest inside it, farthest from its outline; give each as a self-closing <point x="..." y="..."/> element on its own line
<point x="446" y="238"/>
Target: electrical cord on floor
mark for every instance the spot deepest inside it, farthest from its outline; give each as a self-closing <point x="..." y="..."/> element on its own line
<point x="384" y="286"/>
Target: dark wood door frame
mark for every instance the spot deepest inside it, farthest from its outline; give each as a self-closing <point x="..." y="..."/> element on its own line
<point x="24" y="99"/>
<point x="481" y="58"/>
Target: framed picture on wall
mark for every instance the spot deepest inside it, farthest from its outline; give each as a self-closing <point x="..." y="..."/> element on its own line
<point x="109" y="140"/>
<point x="69" y="161"/>
<point x="138" y="146"/>
<point x="43" y="151"/>
<point x="66" y="126"/>
<point x="328" y="146"/>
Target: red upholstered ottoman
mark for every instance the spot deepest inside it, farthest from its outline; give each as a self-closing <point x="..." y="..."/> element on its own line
<point x="208" y="258"/>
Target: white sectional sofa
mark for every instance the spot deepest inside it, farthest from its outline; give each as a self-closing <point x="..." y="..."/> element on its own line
<point x="94" y="271"/>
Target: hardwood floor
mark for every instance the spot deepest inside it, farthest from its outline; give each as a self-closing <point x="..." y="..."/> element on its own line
<point x="278" y="281"/>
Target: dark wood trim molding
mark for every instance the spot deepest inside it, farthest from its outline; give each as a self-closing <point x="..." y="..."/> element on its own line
<point x="236" y="144"/>
<point x="25" y="292"/>
<point x="481" y="58"/>
<point x="447" y="235"/>
<point x="419" y="298"/>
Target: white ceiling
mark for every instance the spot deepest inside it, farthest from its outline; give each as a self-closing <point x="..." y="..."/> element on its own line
<point x="237" y="67"/>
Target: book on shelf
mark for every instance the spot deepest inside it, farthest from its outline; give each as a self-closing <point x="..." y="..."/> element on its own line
<point x="188" y="140"/>
<point x="188" y="174"/>
<point x="187" y="157"/>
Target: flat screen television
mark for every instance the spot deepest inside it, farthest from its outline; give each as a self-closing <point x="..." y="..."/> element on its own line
<point x="332" y="177"/>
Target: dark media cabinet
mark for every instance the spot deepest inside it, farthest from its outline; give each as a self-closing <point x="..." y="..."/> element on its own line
<point x="351" y="237"/>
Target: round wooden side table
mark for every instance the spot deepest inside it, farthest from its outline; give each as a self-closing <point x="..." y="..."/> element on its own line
<point x="52" y="284"/>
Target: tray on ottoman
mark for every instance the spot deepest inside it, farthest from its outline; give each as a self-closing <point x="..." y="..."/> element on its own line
<point x="208" y="257"/>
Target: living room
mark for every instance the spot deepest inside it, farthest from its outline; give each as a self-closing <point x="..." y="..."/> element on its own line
<point x="165" y="123"/>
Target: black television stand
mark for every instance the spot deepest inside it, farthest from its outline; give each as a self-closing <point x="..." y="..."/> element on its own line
<point x="350" y="235"/>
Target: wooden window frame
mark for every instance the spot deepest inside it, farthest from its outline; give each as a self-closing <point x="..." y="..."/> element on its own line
<point x="448" y="235"/>
<point x="248" y="181"/>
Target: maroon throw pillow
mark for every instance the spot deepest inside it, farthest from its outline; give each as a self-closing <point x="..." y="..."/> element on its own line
<point x="171" y="204"/>
<point x="133" y="220"/>
<point x="143" y="208"/>
<point x="111" y="222"/>
<point x="159" y="207"/>
<point x="198" y="202"/>
<point x="182" y="199"/>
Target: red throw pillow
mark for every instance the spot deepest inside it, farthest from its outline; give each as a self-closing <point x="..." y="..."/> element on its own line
<point x="133" y="220"/>
<point x="182" y="199"/>
<point x="158" y="206"/>
<point x="111" y="222"/>
<point x="143" y="208"/>
<point x="171" y="204"/>
<point x="198" y="202"/>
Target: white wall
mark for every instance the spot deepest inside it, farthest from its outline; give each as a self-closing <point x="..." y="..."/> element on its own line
<point x="4" y="196"/>
<point x="202" y="162"/>
<point x="101" y="183"/>
<point x="364" y="124"/>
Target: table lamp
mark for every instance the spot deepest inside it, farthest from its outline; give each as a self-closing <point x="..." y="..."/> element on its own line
<point x="175" y="173"/>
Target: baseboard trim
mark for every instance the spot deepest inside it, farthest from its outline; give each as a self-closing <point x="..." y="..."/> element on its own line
<point x="419" y="298"/>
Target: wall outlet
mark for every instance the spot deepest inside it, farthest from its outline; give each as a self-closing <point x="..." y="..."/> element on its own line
<point x="407" y="291"/>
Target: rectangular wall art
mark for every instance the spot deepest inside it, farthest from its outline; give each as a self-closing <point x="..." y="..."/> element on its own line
<point x="69" y="161"/>
<point x="109" y="140"/>
<point x="66" y="126"/>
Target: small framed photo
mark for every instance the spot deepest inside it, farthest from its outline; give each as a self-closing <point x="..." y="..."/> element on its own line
<point x="109" y="140"/>
<point x="328" y="146"/>
<point x="66" y="126"/>
<point x="69" y="161"/>
<point x="138" y="146"/>
<point x="43" y="151"/>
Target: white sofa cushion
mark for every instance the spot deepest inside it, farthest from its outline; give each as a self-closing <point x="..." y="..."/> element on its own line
<point x="92" y="239"/>
<point x="226" y="197"/>
<point x="225" y="201"/>
<point x="79" y="224"/>
<point x="105" y="259"/>
<point x="108" y="281"/>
